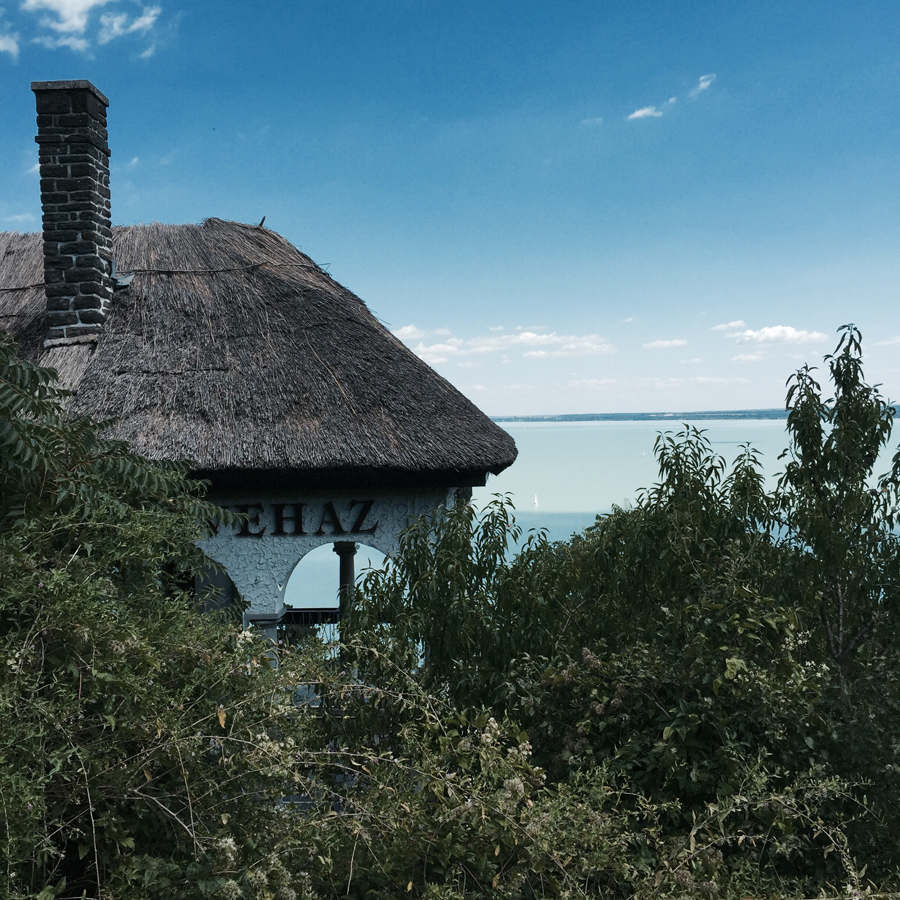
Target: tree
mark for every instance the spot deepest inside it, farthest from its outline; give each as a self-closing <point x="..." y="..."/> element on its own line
<point x="149" y="749"/>
<point x="837" y="517"/>
<point x="689" y="647"/>
<point x="640" y="711"/>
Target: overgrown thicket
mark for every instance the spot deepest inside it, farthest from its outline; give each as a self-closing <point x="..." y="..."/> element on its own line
<point x="149" y="750"/>
<point x="695" y="697"/>
<point x="719" y="653"/>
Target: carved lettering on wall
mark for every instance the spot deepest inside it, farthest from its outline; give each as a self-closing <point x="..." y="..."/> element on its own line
<point x="251" y="526"/>
<point x="293" y="519"/>
<point x="364" y="507"/>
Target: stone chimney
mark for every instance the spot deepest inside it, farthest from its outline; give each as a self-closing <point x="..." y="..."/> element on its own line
<point x="74" y="161"/>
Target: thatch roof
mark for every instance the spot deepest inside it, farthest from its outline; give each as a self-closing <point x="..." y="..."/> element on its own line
<point x="232" y="349"/>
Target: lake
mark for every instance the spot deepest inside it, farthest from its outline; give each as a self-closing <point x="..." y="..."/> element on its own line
<point x="579" y="469"/>
<point x="574" y="470"/>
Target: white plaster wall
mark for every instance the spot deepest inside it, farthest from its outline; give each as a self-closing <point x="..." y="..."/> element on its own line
<point x="260" y="557"/>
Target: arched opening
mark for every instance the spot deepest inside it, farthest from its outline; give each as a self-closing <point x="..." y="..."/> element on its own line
<point x="312" y="595"/>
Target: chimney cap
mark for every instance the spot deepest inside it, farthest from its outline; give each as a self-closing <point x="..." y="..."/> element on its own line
<point x="38" y="86"/>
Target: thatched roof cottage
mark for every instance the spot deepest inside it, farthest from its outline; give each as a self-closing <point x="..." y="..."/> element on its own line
<point x="222" y="344"/>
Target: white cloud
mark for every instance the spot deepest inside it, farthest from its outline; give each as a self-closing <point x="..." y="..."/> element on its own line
<point x="729" y="326"/>
<point x="629" y="319"/>
<point x="20" y="217"/>
<point x="533" y="344"/>
<point x="646" y="112"/>
<point x="73" y="43"/>
<point x="114" y="25"/>
<point x="703" y="84"/>
<point x="35" y="169"/>
<point x="72" y="14"/>
<point x="147" y="20"/>
<point x="536" y="344"/>
<point x="659" y="345"/>
<point x="592" y="122"/>
<point x="588" y="345"/>
<point x="749" y="357"/>
<point x="676" y="382"/>
<point x="710" y="379"/>
<point x="9" y="43"/>
<point x="67" y="23"/>
<point x="778" y="334"/>
<point x="593" y="382"/>
<point x="496" y="328"/>
<point x="690" y="362"/>
<point x="673" y="100"/>
<point x="438" y="353"/>
<point x="890" y="342"/>
<point x="409" y="332"/>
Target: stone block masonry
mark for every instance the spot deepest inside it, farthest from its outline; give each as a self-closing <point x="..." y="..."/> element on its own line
<point x="74" y="165"/>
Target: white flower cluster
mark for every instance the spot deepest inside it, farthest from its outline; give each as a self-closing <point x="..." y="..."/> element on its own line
<point x="491" y="733"/>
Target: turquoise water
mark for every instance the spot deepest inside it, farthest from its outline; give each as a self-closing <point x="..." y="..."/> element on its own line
<point x="575" y="470"/>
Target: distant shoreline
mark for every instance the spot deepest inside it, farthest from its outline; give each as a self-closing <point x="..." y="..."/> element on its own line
<point x="652" y="416"/>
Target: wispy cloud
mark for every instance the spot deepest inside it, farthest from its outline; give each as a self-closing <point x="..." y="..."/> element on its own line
<point x="660" y="345"/>
<point x="532" y="344"/>
<point x="71" y="15"/>
<point x="592" y="122"/>
<point x="654" y="112"/>
<point x="646" y="112"/>
<point x="20" y="218"/>
<point x="409" y="332"/>
<point x="75" y="23"/>
<point x="715" y="379"/>
<point x="586" y="345"/>
<point x="9" y="43"/>
<point x="703" y="85"/>
<point x="593" y="382"/>
<point x="114" y="25"/>
<point x="78" y="44"/>
<point x="676" y="382"/>
<point x="749" y="357"/>
<point x="730" y="326"/>
<point x="890" y="342"/>
<point x="778" y="334"/>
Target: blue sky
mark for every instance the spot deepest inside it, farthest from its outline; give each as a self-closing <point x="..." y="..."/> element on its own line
<point x="569" y="207"/>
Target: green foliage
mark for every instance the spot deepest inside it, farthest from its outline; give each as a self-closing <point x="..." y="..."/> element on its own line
<point x="838" y="518"/>
<point x="696" y="697"/>
<point x="713" y="646"/>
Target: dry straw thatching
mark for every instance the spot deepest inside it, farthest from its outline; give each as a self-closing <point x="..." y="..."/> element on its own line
<point x="232" y="349"/>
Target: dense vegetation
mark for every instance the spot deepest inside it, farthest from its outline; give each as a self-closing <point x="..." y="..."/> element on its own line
<point x="696" y="697"/>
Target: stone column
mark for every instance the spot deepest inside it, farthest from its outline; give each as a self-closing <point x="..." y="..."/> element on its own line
<point x="346" y="550"/>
